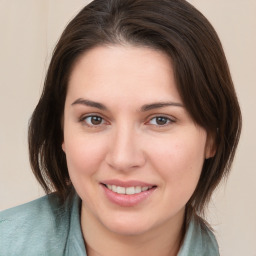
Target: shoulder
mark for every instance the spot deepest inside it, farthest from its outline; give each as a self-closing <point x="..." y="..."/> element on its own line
<point x="45" y="204"/>
<point x="30" y="226"/>
<point x="199" y="240"/>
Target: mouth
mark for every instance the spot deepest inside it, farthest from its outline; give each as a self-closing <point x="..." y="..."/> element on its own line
<point x="127" y="194"/>
<point x="128" y="190"/>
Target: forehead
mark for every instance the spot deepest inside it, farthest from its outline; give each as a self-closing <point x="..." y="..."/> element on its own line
<point x="123" y="70"/>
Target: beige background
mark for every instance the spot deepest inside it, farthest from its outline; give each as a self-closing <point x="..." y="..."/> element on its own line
<point x="29" y="30"/>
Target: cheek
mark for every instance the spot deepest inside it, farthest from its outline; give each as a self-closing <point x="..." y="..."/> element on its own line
<point x="84" y="155"/>
<point x="84" y="158"/>
<point x="179" y="160"/>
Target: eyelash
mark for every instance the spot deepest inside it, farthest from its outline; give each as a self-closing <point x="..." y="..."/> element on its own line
<point x="83" y="119"/>
<point x="160" y="117"/>
<point x="167" y="119"/>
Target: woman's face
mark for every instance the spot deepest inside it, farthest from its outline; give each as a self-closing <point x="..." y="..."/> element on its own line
<point x="133" y="152"/>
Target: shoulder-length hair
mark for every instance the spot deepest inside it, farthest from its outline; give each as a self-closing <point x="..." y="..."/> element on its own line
<point x="201" y="72"/>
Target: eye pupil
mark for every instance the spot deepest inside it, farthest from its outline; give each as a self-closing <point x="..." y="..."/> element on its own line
<point x="96" y="120"/>
<point x="161" y="120"/>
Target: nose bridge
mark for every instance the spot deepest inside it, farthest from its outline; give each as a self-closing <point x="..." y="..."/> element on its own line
<point x="125" y="150"/>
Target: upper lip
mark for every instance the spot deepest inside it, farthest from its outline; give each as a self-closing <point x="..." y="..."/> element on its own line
<point x="128" y="183"/>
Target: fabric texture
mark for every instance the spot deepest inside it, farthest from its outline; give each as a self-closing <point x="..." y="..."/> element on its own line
<point x="45" y="227"/>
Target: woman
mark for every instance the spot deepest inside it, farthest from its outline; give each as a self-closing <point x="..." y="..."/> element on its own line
<point x="137" y="124"/>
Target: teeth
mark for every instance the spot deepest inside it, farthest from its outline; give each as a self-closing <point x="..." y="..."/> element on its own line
<point x="120" y="190"/>
<point x="130" y="191"/>
<point x="114" y="188"/>
<point x="138" y="189"/>
<point x="127" y="191"/>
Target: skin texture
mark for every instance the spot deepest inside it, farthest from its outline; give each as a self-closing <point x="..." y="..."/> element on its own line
<point x="127" y="143"/>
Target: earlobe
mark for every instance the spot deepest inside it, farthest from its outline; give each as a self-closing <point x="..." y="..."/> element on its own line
<point x="63" y="147"/>
<point x="210" y="148"/>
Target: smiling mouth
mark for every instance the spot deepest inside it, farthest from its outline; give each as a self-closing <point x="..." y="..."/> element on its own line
<point x="128" y="190"/>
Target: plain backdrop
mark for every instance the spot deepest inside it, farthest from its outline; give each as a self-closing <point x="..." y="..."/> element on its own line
<point x="29" y="30"/>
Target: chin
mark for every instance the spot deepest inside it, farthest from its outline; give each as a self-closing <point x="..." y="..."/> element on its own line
<point x="127" y="227"/>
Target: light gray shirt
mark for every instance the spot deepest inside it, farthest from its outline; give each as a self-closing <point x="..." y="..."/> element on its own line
<point x="45" y="227"/>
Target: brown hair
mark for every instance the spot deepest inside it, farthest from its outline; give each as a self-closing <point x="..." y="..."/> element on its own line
<point x="201" y="71"/>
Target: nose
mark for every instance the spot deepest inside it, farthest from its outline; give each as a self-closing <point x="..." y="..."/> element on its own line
<point x="125" y="150"/>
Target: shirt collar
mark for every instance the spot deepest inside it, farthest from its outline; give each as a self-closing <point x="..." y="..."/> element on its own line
<point x="199" y="240"/>
<point x="75" y="242"/>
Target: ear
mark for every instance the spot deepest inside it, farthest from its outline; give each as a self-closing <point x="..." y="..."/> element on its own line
<point x="210" y="146"/>
<point x="63" y="147"/>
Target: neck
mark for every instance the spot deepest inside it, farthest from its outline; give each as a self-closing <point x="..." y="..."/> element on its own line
<point x="164" y="240"/>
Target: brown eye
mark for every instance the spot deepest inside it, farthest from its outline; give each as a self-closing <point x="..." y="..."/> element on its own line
<point x="93" y="120"/>
<point x="160" y="120"/>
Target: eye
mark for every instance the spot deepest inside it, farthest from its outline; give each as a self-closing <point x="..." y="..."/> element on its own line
<point x="93" y="120"/>
<point x="160" y="120"/>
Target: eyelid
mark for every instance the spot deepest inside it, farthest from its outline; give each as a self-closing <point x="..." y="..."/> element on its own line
<point x="83" y="117"/>
<point x="170" y="119"/>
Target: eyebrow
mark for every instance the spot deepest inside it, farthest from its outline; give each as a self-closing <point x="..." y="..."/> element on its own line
<point x="89" y="103"/>
<point x="156" y="105"/>
<point x="143" y="108"/>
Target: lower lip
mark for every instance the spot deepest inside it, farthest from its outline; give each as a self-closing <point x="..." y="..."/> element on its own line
<point x="127" y="200"/>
